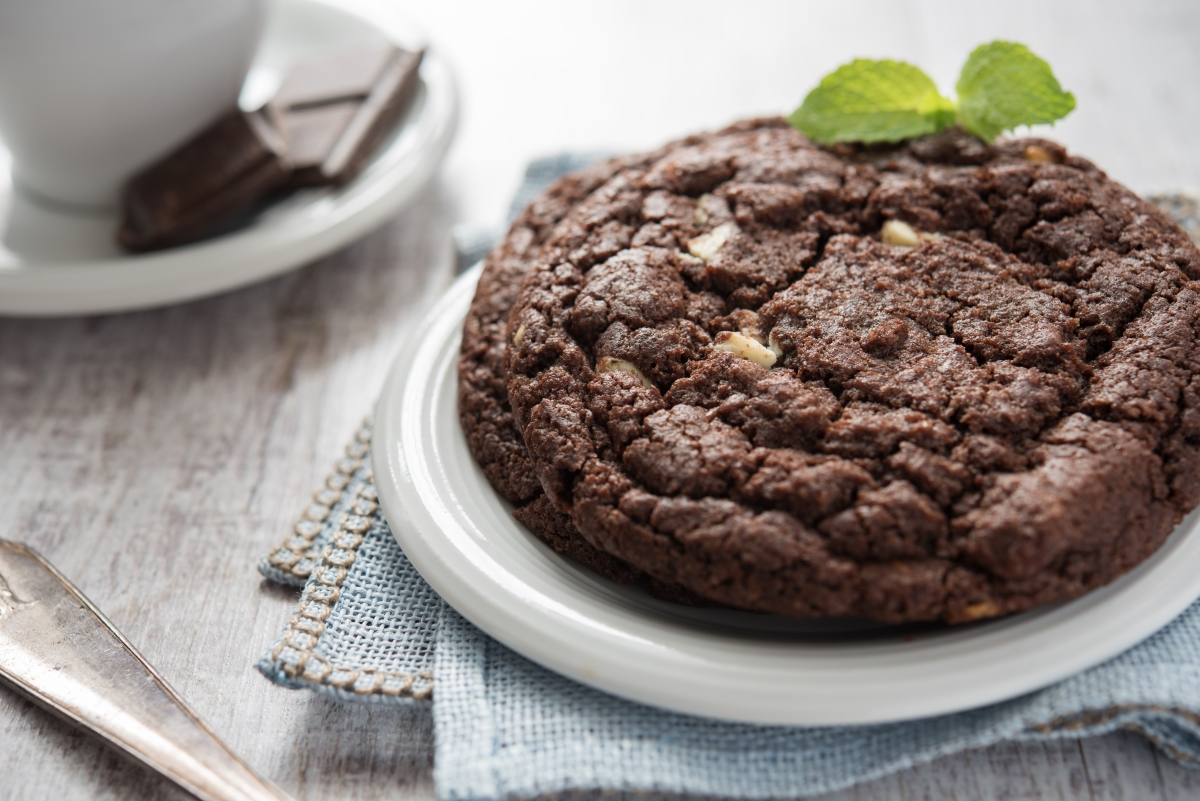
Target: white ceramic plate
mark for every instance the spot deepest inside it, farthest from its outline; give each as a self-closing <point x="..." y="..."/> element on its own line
<point x="718" y="663"/>
<point x="53" y="262"/>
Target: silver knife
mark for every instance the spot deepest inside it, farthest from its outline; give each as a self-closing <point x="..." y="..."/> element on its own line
<point x="61" y="652"/>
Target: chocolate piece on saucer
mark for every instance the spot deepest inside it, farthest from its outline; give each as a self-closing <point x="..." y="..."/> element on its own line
<point x="345" y="75"/>
<point x="334" y="113"/>
<point x="225" y="169"/>
<point x="311" y="134"/>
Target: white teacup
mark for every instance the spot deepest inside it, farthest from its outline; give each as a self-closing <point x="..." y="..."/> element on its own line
<point x="93" y="90"/>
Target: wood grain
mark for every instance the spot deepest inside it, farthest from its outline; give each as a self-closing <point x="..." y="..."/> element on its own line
<point x="156" y="457"/>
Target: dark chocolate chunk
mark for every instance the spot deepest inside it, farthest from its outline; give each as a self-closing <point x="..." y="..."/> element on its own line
<point x="335" y="113"/>
<point x="346" y="75"/>
<point x="221" y="171"/>
<point x="325" y="122"/>
<point x="312" y="132"/>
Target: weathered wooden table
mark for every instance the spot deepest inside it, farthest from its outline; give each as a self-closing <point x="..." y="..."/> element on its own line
<point x="156" y="456"/>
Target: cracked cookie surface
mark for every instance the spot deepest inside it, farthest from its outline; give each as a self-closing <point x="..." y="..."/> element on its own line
<point x="729" y="375"/>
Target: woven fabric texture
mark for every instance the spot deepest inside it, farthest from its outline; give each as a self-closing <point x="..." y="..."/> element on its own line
<point x="369" y="629"/>
<point x="366" y="623"/>
<point x="507" y="727"/>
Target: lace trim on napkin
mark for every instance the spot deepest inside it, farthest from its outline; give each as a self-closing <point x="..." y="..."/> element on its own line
<point x="293" y="560"/>
<point x="318" y="554"/>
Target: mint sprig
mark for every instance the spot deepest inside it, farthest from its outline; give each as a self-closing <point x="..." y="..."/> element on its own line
<point x="1002" y="85"/>
<point x="872" y="101"/>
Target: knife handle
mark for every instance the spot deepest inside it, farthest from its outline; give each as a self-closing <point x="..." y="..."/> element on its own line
<point x="61" y="652"/>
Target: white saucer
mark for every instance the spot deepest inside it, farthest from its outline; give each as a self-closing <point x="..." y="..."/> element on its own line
<point x="717" y="663"/>
<point x="54" y="262"/>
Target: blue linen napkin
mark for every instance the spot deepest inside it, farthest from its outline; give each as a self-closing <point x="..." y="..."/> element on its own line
<point x="369" y="629"/>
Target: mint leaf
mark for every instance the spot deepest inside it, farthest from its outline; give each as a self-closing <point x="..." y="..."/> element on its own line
<point x="1004" y="85"/>
<point x="873" y="101"/>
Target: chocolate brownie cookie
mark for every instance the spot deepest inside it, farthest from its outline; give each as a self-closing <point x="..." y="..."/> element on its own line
<point x="944" y="380"/>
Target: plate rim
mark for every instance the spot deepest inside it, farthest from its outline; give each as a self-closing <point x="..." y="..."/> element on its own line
<point x="690" y="672"/>
<point x="249" y="256"/>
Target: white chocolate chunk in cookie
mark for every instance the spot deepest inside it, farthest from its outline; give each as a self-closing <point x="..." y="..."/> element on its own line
<point x="899" y="233"/>
<point x="706" y="246"/>
<point x="745" y="347"/>
<point x="981" y="610"/>
<point x="608" y="364"/>
<point x="1039" y="155"/>
<point x="895" y="232"/>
